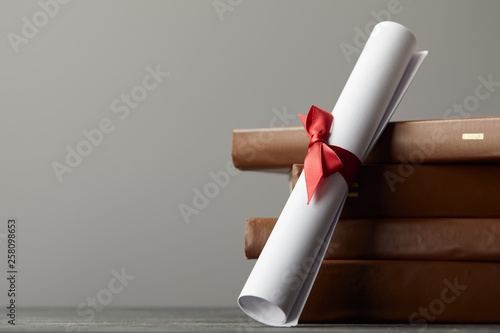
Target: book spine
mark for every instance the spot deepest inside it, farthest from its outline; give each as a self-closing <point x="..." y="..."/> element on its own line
<point x="465" y="140"/>
<point x="464" y="239"/>
<point x="414" y="292"/>
<point x="269" y="148"/>
<point x="427" y="190"/>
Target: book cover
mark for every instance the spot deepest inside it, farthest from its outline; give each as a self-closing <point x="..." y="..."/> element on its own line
<point x="456" y="140"/>
<point x="465" y="239"/>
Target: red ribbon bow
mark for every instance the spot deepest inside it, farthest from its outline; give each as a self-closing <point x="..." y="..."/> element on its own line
<point x="322" y="159"/>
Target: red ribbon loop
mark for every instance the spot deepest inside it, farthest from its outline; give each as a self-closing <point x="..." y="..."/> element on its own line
<point x="323" y="160"/>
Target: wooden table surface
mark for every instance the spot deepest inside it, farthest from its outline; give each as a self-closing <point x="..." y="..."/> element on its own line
<point x="190" y="320"/>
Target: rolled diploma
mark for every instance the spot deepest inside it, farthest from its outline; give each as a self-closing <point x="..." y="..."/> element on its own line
<point x="279" y="284"/>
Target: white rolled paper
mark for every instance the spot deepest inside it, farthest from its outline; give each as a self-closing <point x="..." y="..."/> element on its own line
<point x="279" y="284"/>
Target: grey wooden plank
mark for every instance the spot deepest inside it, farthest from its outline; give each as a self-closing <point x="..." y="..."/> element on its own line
<point x="191" y="320"/>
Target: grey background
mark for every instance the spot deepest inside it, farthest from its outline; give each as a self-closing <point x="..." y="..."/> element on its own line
<point x="120" y="207"/>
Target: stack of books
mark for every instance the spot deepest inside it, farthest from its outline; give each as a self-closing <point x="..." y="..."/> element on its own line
<point x="419" y="236"/>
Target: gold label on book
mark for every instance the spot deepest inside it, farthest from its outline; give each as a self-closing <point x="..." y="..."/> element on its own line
<point x="352" y="194"/>
<point x="472" y="136"/>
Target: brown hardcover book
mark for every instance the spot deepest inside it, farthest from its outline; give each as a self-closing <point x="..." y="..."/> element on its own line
<point x="427" y="190"/>
<point x="457" y="140"/>
<point x="465" y="239"/>
<point x="414" y="292"/>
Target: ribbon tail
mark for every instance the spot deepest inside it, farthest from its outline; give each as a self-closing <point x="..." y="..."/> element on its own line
<point x="313" y="170"/>
<point x="331" y="161"/>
